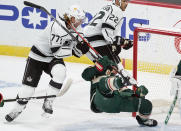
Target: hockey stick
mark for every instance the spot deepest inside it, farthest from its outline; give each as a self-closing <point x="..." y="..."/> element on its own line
<point x="171" y="108"/>
<point x="170" y="111"/>
<point x="65" y="88"/>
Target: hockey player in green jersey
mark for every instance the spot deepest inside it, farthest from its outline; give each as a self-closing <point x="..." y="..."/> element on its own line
<point x="109" y="94"/>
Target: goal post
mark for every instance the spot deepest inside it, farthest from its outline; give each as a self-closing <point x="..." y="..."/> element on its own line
<point x="155" y="52"/>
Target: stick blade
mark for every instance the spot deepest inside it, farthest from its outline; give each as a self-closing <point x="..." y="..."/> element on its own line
<point x="27" y="3"/>
<point x="65" y="87"/>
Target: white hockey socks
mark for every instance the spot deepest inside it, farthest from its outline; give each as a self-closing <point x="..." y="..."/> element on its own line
<point x="52" y="91"/>
<point x="26" y="91"/>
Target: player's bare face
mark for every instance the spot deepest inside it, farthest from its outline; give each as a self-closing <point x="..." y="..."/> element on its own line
<point x="76" y="22"/>
<point x="124" y="4"/>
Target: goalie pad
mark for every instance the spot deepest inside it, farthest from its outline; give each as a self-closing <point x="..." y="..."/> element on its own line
<point x="175" y="83"/>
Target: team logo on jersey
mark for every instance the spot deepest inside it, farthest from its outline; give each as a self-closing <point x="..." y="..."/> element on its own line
<point x="34" y="18"/>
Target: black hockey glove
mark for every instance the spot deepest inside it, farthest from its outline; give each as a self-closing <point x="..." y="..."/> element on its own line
<point x="83" y="47"/>
<point x="116" y="48"/>
<point x="127" y="44"/>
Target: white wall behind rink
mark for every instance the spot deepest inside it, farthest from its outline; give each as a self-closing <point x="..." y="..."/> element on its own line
<point x="13" y="32"/>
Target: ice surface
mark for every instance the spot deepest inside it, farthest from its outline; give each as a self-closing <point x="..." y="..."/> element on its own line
<point x="71" y="111"/>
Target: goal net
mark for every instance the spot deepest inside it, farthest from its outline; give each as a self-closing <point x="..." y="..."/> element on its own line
<point x="155" y="52"/>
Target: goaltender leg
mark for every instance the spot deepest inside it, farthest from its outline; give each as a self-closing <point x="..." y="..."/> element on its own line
<point x="175" y="78"/>
<point x="109" y="93"/>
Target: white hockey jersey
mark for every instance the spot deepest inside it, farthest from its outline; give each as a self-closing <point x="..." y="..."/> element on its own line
<point x="54" y="42"/>
<point x="105" y="26"/>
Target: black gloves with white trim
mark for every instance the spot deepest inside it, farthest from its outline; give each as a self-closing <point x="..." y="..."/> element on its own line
<point x="121" y="42"/>
<point x="83" y="47"/>
<point x="127" y="44"/>
<point x="80" y="49"/>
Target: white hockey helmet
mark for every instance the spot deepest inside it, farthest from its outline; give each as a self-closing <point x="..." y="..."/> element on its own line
<point x="76" y="12"/>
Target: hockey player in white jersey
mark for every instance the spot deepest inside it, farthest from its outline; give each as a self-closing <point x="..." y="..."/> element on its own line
<point x="47" y="55"/>
<point x="103" y="33"/>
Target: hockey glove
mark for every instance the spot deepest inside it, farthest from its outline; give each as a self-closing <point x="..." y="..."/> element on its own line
<point x="79" y="49"/>
<point x="1" y="100"/>
<point x="103" y="64"/>
<point x="141" y="91"/>
<point x="115" y="47"/>
<point x="127" y="44"/>
<point x="83" y="47"/>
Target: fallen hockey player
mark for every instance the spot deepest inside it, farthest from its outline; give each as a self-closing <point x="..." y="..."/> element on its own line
<point x="109" y="94"/>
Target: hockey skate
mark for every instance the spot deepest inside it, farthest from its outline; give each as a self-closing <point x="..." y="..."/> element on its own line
<point x="15" y="112"/>
<point x="147" y="122"/>
<point x="47" y="107"/>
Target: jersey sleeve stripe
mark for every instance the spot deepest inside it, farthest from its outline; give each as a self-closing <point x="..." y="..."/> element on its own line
<point x="54" y="49"/>
<point x="105" y="25"/>
<point x="36" y="51"/>
<point x="95" y="38"/>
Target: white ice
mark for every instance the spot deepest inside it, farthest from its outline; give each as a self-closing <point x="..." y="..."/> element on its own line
<point x="71" y="111"/>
